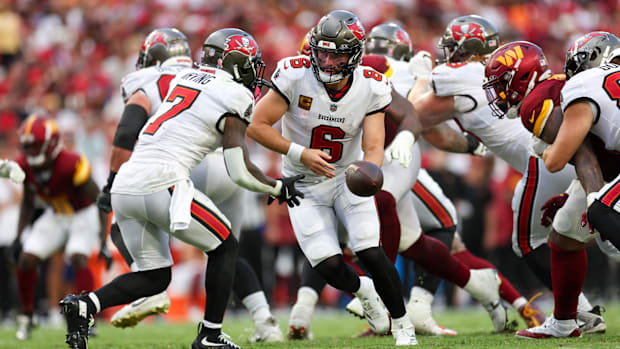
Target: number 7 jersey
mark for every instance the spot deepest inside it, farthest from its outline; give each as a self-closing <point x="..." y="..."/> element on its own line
<point x="188" y="125"/>
<point x="333" y="124"/>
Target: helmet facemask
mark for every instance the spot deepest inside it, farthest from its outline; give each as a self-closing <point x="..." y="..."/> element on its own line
<point x="342" y="65"/>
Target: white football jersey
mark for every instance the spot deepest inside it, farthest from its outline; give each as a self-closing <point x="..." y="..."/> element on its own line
<point x="186" y="127"/>
<point x="314" y="120"/>
<point x="600" y="86"/>
<point x="506" y="138"/>
<point x="402" y="80"/>
<point x="152" y="81"/>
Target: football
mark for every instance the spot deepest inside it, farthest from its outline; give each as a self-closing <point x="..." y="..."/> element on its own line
<point x="364" y="178"/>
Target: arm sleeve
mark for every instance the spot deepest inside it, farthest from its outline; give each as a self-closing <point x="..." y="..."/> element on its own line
<point x="133" y="119"/>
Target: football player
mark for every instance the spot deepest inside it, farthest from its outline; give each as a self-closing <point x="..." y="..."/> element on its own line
<point x="327" y="101"/>
<point x="396" y="200"/>
<point x="164" y="53"/>
<point x="540" y="106"/>
<point x="62" y="180"/>
<point x="153" y="196"/>
<point x="456" y="93"/>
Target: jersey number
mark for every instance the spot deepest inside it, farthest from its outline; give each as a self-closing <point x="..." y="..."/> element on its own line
<point x="611" y="85"/>
<point x="320" y="141"/>
<point x="371" y="74"/>
<point x="300" y="62"/>
<point x="187" y="97"/>
<point x="163" y="83"/>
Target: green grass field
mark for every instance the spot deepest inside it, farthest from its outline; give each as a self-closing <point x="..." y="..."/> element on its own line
<point x="330" y="331"/>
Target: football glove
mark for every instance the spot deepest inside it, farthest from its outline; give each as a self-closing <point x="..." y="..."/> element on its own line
<point x="104" y="199"/>
<point x="421" y="65"/>
<point x="474" y="146"/>
<point x="288" y="192"/>
<point x="551" y="207"/>
<point x="105" y="256"/>
<point x="10" y="169"/>
<point x="400" y="148"/>
<point x="537" y="146"/>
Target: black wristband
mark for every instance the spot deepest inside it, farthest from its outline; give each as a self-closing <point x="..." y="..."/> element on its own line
<point x="472" y="143"/>
<point x="111" y="177"/>
<point x="133" y="119"/>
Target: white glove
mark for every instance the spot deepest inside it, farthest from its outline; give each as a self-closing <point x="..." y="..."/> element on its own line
<point x="400" y="148"/>
<point x="10" y="169"/>
<point x="421" y="64"/>
<point x="481" y="150"/>
<point x="537" y="146"/>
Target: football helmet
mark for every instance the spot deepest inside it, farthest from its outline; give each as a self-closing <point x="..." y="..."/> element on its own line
<point x="39" y="139"/>
<point x="236" y="52"/>
<point x="591" y="50"/>
<point x="467" y="36"/>
<point x="511" y="73"/>
<point x="336" y="44"/>
<point x="162" y="44"/>
<point x="389" y="39"/>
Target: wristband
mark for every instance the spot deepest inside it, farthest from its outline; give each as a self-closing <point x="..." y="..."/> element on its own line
<point x="294" y="152"/>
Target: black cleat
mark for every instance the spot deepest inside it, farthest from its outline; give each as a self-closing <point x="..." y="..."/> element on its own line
<point x="203" y="341"/>
<point x="79" y="321"/>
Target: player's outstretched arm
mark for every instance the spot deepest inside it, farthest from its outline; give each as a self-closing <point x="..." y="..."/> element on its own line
<point x="243" y="172"/>
<point x="578" y="119"/>
<point x="267" y="112"/>
<point x="373" y="138"/>
<point x="431" y="109"/>
<point x="135" y="115"/>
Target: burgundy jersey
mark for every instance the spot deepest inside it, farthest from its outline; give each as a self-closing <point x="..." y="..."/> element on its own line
<point x="538" y="104"/>
<point x="537" y="108"/>
<point x="382" y="65"/>
<point x="59" y="186"/>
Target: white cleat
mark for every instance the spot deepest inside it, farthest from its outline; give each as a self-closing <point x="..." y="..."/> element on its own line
<point x="131" y="314"/>
<point x="375" y="313"/>
<point x="355" y="307"/>
<point x="300" y="323"/>
<point x="268" y="331"/>
<point x="421" y="316"/>
<point x="483" y="285"/>
<point x="591" y="321"/>
<point x="405" y="336"/>
<point x="24" y="327"/>
<point x="551" y="328"/>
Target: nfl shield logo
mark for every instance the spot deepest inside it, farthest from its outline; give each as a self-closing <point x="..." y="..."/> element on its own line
<point x="333" y="107"/>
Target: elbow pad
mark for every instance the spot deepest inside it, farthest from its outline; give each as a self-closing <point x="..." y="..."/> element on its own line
<point x="239" y="173"/>
<point x="133" y="119"/>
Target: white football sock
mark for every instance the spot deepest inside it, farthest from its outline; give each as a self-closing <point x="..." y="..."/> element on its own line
<point x="257" y="305"/>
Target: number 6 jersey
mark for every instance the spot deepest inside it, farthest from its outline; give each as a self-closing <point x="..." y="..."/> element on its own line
<point x="187" y="126"/>
<point x="331" y="123"/>
<point x="601" y="87"/>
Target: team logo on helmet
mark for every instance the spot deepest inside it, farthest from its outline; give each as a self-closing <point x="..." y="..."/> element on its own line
<point x="242" y="44"/>
<point x="467" y="31"/>
<point x="401" y="36"/>
<point x="511" y="56"/>
<point x="579" y="43"/>
<point x="156" y="38"/>
<point x="357" y="29"/>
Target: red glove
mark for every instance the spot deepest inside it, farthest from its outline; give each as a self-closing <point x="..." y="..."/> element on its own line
<point x="551" y="207"/>
<point x="584" y="221"/>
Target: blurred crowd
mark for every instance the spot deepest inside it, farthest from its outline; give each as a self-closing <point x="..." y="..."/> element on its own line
<point x="67" y="57"/>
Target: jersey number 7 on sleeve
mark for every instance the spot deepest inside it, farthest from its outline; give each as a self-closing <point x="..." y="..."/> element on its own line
<point x="186" y="96"/>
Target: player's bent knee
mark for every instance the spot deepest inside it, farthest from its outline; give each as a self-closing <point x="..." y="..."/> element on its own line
<point x="28" y="261"/>
<point x="228" y="246"/>
<point x="159" y="279"/>
<point x="565" y="242"/>
<point x="408" y="237"/>
<point x="604" y="219"/>
<point x="78" y="261"/>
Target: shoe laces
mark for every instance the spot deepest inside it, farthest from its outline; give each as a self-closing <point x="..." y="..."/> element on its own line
<point x="369" y="309"/>
<point x="530" y="311"/>
<point x="225" y="339"/>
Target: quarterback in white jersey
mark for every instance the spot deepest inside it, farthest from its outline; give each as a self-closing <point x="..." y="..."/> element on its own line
<point x="328" y="105"/>
<point x="153" y="196"/>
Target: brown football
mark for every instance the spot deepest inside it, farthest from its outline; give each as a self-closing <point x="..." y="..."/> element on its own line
<point x="364" y="178"/>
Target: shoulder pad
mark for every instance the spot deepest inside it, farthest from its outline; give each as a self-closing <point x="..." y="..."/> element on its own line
<point x="539" y="104"/>
<point x="135" y="81"/>
<point x="378" y="63"/>
<point x="455" y="79"/>
<point x="292" y="68"/>
<point x="242" y="103"/>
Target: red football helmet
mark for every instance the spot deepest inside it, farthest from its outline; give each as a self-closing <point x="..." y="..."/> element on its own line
<point x="39" y="139"/>
<point x="511" y="73"/>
